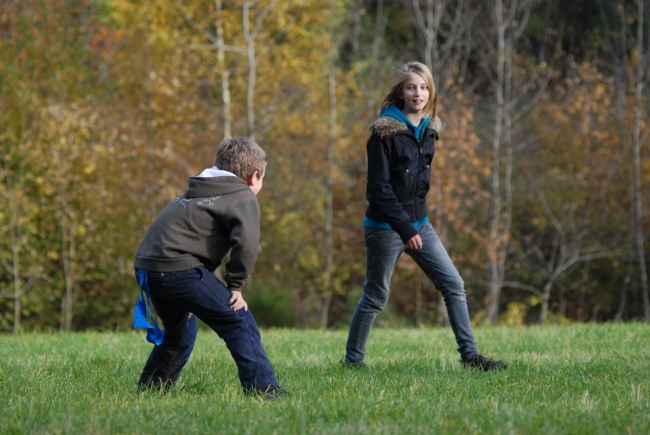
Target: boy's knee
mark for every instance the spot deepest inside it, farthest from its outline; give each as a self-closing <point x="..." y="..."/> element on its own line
<point x="173" y="340"/>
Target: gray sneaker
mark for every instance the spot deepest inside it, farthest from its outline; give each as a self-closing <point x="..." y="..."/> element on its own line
<point x="484" y="363"/>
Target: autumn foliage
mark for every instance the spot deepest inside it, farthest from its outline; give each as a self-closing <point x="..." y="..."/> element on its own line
<point x="107" y="107"/>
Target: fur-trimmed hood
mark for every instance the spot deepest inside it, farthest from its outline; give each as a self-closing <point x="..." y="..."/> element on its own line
<point x="387" y="125"/>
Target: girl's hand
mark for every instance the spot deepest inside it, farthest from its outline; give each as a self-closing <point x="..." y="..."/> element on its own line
<point x="415" y="243"/>
<point x="237" y="301"/>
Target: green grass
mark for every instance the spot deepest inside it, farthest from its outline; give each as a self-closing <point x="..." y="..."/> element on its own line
<point x="581" y="379"/>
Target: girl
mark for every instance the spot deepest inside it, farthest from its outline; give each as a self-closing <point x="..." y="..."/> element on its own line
<point x="400" y="151"/>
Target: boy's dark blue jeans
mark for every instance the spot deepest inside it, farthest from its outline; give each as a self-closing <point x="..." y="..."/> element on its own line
<point x="175" y="295"/>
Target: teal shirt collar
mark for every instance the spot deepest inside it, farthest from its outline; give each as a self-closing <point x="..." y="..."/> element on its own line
<point x="394" y="112"/>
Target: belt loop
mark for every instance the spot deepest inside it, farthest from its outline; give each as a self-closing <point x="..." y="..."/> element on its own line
<point x="200" y="273"/>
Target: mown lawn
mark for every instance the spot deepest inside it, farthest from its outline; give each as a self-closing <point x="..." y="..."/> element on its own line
<point x="582" y="379"/>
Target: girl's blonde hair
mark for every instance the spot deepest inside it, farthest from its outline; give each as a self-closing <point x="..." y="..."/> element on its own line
<point x="431" y="108"/>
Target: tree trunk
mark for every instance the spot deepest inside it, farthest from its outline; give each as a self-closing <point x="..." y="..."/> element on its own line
<point x="636" y="149"/>
<point x="250" y="86"/>
<point x="225" y="73"/>
<point x="546" y="296"/>
<point x="17" y="291"/>
<point x="329" y="242"/>
<point x="443" y="314"/>
<point x="68" y="256"/>
<point x="153" y="212"/>
<point x="621" y="304"/>
<point x="494" y="238"/>
<point x="509" y="24"/>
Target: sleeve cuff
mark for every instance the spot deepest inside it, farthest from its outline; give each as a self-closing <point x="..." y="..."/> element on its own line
<point x="405" y="230"/>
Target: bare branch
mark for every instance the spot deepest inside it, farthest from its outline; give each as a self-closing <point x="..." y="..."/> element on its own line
<point x="522" y="286"/>
<point x="28" y="285"/>
<point x="238" y="50"/>
<point x="542" y="199"/>
<point x="260" y="18"/>
<point x="197" y="26"/>
<point x="533" y="102"/>
<point x="7" y="266"/>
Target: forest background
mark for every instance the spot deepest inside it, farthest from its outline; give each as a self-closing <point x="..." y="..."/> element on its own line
<point x="539" y="180"/>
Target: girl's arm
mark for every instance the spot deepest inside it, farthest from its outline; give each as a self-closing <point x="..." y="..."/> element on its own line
<point x="379" y="191"/>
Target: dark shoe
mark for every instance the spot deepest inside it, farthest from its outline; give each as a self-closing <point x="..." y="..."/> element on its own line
<point x="352" y="365"/>
<point x="484" y="363"/>
<point x="273" y="392"/>
<point x="154" y="384"/>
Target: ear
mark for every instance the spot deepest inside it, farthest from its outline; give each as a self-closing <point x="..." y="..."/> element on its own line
<point x="250" y="180"/>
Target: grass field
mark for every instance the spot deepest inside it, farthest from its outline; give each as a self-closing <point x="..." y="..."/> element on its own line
<point x="582" y="379"/>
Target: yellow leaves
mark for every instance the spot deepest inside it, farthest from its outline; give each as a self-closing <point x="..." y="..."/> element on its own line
<point x="309" y="258"/>
<point x="516" y="311"/>
<point x="514" y="315"/>
<point x="89" y="168"/>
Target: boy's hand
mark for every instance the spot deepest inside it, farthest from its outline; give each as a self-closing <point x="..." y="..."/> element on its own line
<point x="415" y="242"/>
<point x="237" y="301"/>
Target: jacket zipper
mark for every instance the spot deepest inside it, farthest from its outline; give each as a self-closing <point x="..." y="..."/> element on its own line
<point x="417" y="178"/>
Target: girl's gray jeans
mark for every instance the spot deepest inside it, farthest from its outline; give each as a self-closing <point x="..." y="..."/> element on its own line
<point x="383" y="248"/>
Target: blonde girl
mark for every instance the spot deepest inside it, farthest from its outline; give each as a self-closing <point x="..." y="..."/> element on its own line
<point x="400" y="150"/>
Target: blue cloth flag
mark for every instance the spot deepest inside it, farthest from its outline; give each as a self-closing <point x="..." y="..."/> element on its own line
<point x="154" y="333"/>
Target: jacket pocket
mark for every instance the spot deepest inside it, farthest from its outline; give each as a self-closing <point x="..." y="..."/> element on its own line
<point x="403" y="183"/>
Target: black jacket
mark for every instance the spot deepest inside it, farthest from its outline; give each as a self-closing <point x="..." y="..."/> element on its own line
<point x="399" y="168"/>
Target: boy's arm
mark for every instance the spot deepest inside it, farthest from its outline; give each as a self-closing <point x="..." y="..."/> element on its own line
<point x="244" y="226"/>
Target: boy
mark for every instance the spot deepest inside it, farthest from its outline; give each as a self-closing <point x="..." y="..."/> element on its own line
<point x="218" y="213"/>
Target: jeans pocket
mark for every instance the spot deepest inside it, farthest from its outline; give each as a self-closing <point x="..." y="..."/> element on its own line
<point x="382" y="242"/>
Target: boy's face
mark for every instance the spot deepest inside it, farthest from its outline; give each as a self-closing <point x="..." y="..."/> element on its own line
<point x="255" y="182"/>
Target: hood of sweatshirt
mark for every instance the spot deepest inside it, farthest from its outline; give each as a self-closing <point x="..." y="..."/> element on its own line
<point x="215" y="172"/>
<point x="203" y="187"/>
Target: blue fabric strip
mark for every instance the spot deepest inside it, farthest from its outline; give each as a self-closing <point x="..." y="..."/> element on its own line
<point x="371" y="223"/>
<point x="154" y="333"/>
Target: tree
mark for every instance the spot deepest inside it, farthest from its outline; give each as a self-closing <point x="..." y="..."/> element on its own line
<point x="571" y="201"/>
<point x="331" y="142"/>
<point x="628" y="53"/>
<point x="512" y="98"/>
<point x="19" y="208"/>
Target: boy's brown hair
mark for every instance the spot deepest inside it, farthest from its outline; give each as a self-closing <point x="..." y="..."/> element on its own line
<point x="241" y="156"/>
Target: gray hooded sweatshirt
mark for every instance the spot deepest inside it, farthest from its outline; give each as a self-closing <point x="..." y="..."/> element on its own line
<point x="213" y="216"/>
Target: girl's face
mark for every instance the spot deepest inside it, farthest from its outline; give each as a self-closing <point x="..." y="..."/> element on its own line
<point x="415" y="94"/>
